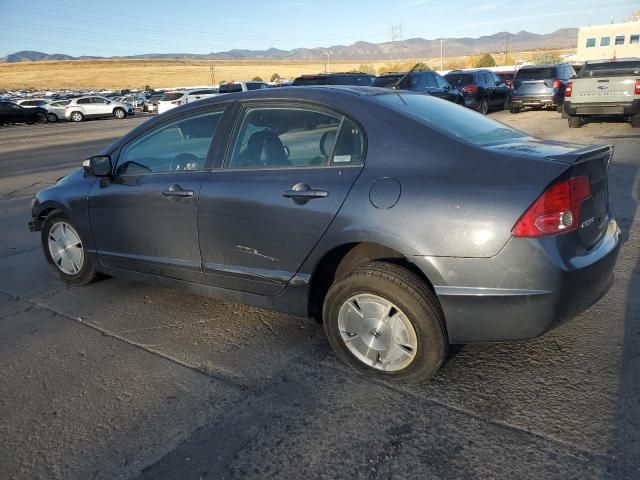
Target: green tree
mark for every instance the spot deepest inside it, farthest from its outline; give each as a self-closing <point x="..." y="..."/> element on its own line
<point x="422" y="66"/>
<point x="485" y="60"/>
<point x="256" y="79"/>
<point x="275" y="77"/>
<point x="366" y="68"/>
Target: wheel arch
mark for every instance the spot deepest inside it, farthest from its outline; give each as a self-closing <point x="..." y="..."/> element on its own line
<point x="342" y="259"/>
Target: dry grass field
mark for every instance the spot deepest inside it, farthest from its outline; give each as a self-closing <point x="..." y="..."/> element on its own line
<point x="156" y="73"/>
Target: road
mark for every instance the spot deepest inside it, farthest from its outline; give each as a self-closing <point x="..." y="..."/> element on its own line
<point x="119" y="380"/>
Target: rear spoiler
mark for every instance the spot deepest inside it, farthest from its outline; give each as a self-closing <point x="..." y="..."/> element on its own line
<point x="585" y="154"/>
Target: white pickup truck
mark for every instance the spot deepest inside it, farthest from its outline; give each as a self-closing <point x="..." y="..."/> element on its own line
<point x="604" y="87"/>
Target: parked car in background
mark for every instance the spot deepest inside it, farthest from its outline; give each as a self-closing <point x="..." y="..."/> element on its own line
<point x="507" y="77"/>
<point x="483" y="90"/>
<point x="421" y="81"/>
<point x="362" y="79"/>
<point x="56" y="110"/>
<point x="13" y="113"/>
<point x="138" y="101"/>
<point x="401" y="222"/>
<point x="175" y="98"/>
<point x="152" y="104"/>
<point x="33" y="102"/>
<point x="604" y="87"/>
<point x="540" y="86"/>
<point x="234" y="87"/>
<point x="82" y="108"/>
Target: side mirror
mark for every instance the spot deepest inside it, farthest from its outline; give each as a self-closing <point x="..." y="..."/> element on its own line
<point x="98" y="166"/>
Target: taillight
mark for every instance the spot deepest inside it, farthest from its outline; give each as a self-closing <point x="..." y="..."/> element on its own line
<point x="567" y="90"/>
<point x="470" y="89"/>
<point x="637" y="90"/>
<point x="557" y="84"/>
<point x="557" y="210"/>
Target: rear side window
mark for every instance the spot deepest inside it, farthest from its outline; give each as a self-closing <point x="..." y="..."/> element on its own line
<point x="181" y="145"/>
<point x="430" y="80"/>
<point x="464" y="125"/>
<point x="295" y="137"/>
<point x="170" y="97"/>
<point x="83" y="101"/>
<point x="230" y="88"/>
<point x="619" y="39"/>
<point x="442" y="83"/>
<point x="591" y="42"/>
<point x="605" y="41"/>
<point x="459" y="79"/>
<point x="310" y="80"/>
<point x="536" y="73"/>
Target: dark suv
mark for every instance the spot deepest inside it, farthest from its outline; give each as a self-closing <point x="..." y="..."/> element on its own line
<point x="540" y="86"/>
<point x="421" y="81"/>
<point x="361" y="79"/>
<point x="482" y="89"/>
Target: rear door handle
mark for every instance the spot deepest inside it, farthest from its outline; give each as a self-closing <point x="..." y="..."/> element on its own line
<point x="303" y="191"/>
<point x="176" y="190"/>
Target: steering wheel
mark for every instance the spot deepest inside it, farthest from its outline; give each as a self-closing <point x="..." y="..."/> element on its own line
<point x="184" y="161"/>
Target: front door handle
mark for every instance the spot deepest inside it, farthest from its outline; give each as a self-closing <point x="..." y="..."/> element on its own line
<point x="302" y="191"/>
<point x="176" y="190"/>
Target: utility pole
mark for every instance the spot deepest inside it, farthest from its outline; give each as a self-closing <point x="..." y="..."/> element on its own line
<point x="506" y="47"/>
<point x="212" y="74"/>
<point x="441" y="54"/>
<point x="327" y="54"/>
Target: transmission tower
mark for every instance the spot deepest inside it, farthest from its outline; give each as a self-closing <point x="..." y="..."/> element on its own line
<point x="396" y="39"/>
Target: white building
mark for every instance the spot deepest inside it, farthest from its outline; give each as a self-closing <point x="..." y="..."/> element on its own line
<point x="601" y="42"/>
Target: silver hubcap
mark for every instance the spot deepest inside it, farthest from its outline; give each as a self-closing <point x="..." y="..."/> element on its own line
<point x="119" y="113"/>
<point x="65" y="248"/>
<point x="77" y="117"/>
<point x="377" y="332"/>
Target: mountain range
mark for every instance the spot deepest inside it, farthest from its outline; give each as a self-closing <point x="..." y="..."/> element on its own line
<point x="410" y="48"/>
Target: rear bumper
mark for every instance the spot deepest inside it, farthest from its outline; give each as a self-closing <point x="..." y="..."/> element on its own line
<point x="580" y="109"/>
<point x="535" y="101"/>
<point x="524" y="291"/>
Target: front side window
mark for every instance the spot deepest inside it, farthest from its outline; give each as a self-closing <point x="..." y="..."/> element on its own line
<point x="591" y="42"/>
<point x="634" y="39"/>
<point x="619" y="39"/>
<point x="442" y="83"/>
<point x="83" y="101"/>
<point x="605" y="41"/>
<point x="98" y="100"/>
<point x="295" y="137"/>
<point x="181" y="145"/>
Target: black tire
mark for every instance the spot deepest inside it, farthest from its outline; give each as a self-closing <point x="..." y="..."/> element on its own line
<point x="515" y="110"/>
<point x="52" y="117"/>
<point x="575" y="122"/>
<point x="41" y="118"/>
<point x="76" y="116"/>
<point x="419" y="304"/>
<point x="119" y="113"/>
<point x="484" y="107"/>
<point x="635" y="121"/>
<point x="87" y="272"/>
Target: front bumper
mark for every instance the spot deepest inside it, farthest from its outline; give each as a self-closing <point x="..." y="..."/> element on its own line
<point x="524" y="291"/>
<point x="579" y="109"/>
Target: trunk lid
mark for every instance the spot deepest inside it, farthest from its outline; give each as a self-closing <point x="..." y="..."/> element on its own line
<point x="602" y="90"/>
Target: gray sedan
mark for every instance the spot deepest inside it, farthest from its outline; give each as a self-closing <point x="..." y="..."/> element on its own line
<point x="403" y="222"/>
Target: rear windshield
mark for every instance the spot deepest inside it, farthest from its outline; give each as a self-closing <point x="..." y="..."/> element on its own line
<point x="310" y="80"/>
<point x="169" y="97"/>
<point x="459" y="79"/>
<point x="230" y="88"/>
<point x="536" y="73"/>
<point x="611" y="69"/>
<point x="362" y="80"/>
<point x="256" y="86"/>
<point x="387" y="81"/>
<point x="443" y="117"/>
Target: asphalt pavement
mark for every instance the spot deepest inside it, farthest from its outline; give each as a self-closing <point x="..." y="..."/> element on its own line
<point x="119" y="380"/>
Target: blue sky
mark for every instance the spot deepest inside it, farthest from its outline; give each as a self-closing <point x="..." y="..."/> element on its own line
<point x="129" y="27"/>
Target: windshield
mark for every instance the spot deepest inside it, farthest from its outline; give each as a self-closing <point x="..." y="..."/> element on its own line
<point x="169" y="97"/>
<point x="459" y="79"/>
<point x="536" y="73"/>
<point x="611" y="69"/>
<point x="445" y="118"/>
<point x="387" y="81"/>
<point x="310" y="80"/>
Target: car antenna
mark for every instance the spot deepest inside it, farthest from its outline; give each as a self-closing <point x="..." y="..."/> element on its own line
<point x="397" y="84"/>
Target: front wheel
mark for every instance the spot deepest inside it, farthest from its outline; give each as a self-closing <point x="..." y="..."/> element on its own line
<point x="383" y="320"/>
<point x="77" y="117"/>
<point x="66" y="251"/>
<point x="41" y="118"/>
<point x="52" y="117"/>
<point x="119" y="113"/>
<point x="515" y="110"/>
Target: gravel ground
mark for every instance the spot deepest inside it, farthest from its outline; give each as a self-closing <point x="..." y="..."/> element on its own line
<point x="119" y="380"/>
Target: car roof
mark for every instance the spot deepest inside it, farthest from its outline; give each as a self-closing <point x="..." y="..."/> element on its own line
<point x="611" y="60"/>
<point x="542" y="65"/>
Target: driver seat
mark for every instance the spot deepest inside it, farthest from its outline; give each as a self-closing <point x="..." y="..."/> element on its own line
<point x="264" y="148"/>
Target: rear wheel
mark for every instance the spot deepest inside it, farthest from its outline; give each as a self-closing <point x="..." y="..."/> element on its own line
<point x="41" y="118"/>
<point x="575" y="122"/>
<point x="507" y="103"/>
<point x="52" y="117"/>
<point x="65" y="249"/>
<point x="515" y="110"/>
<point x="484" y="107"/>
<point x="76" y="117"/>
<point x="635" y="121"/>
<point x="119" y="113"/>
<point x="383" y="320"/>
